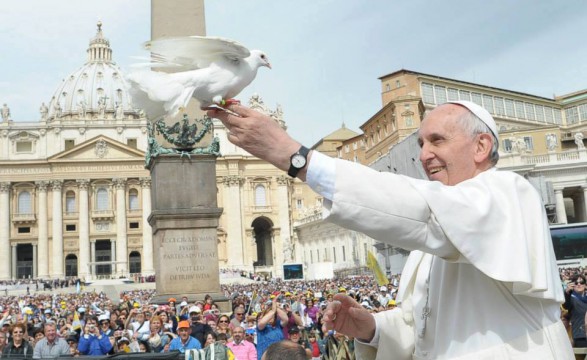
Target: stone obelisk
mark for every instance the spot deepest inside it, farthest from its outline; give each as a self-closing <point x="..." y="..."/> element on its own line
<point x="185" y="214"/>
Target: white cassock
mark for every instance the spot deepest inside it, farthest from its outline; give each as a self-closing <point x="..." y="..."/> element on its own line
<point x="484" y="262"/>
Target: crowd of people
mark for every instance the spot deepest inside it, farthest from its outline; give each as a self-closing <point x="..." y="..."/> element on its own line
<point x="52" y="324"/>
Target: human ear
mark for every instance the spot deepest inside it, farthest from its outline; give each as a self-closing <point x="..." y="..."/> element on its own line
<point x="483" y="147"/>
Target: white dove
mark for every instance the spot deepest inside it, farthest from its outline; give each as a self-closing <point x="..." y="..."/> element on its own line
<point x="212" y="70"/>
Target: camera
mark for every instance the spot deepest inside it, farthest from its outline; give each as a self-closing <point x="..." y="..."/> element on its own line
<point x="92" y="327"/>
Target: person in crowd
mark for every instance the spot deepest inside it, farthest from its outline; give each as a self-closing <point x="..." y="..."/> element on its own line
<point x="123" y="345"/>
<point x="223" y="324"/>
<point x="93" y="341"/>
<point x="242" y="349"/>
<point x="468" y="254"/>
<point x="295" y="336"/>
<point x="208" y="302"/>
<point x="315" y="345"/>
<point x="38" y="334"/>
<point x="293" y="320"/>
<point x="576" y="305"/>
<point x="105" y="325"/>
<point x="198" y="324"/>
<point x="3" y="340"/>
<point x="211" y="338"/>
<point x="284" y="349"/>
<point x="18" y="347"/>
<point x="145" y="347"/>
<point x="269" y="329"/>
<point x="157" y="338"/>
<point x="184" y="341"/>
<point x="137" y="322"/>
<point x="51" y="346"/>
<point x="239" y="317"/>
<point x="72" y="341"/>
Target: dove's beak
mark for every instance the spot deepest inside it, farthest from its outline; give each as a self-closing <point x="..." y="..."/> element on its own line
<point x="268" y="65"/>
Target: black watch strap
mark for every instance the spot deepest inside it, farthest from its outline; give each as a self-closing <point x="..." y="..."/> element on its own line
<point x="293" y="170"/>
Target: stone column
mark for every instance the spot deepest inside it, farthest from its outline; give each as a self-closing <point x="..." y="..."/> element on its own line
<point x="113" y="255"/>
<point x="34" y="261"/>
<point x="5" y="231"/>
<point x="57" y="255"/>
<point x="283" y="204"/>
<point x="121" y="238"/>
<point x="43" y="242"/>
<point x="13" y="261"/>
<point x="93" y="258"/>
<point x="584" y="188"/>
<point x="561" y="212"/>
<point x="233" y="208"/>
<point x="147" y="267"/>
<point x="84" y="229"/>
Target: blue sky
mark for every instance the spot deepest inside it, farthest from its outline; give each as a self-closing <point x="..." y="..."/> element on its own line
<point x="327" y="55"/>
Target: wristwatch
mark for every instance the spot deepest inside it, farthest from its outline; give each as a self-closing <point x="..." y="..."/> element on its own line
<point x="298" y="161"/>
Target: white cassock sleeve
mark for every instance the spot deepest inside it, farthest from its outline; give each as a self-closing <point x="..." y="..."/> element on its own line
<point x="494" y="221"/>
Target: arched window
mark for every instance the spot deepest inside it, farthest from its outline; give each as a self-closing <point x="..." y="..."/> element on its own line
<point x="24" y="203"/>
<point x="260" y="196"/>
<point x="133" y="199"/>
<point x="70" y="202"/>
<point x="102" y="199"/>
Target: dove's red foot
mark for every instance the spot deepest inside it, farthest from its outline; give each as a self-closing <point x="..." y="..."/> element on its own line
<point x="229" y="102"/>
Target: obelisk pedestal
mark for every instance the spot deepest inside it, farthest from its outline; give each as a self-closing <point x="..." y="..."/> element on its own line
<point x="184" y="220"/>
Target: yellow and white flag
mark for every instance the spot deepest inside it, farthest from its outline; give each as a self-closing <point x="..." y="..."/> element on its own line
<point x="379" y="273"/>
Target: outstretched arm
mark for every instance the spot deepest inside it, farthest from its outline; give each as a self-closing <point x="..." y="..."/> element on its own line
<point x="260" y="135"/>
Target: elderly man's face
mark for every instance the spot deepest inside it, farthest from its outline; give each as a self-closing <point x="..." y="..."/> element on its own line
<point x="448" y="153"/>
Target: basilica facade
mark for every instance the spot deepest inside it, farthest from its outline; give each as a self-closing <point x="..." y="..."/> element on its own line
<point x="75" y="195"/>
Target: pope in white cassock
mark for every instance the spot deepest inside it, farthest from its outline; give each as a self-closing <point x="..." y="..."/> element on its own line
<point x="481" y="281"/>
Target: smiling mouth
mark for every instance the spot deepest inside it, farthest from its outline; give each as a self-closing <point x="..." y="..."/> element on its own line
<point x="434" y="170"/>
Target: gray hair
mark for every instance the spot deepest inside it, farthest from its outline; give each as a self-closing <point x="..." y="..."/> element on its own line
<point x="472" y="125"/>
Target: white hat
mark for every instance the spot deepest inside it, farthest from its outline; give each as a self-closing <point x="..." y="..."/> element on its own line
<point x="383" y="288"/>
<point x="481" y="113"/>
<point x="81" y="310"/>
<point x="103" y="317"/>
<point x="47" y="311"/>
<point x="122" y="339"/>
<point x="183" y="303"/>
<point x="195" y="309"/>
<point x="366" y="305"/>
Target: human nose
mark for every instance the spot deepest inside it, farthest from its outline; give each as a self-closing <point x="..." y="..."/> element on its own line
<point x="425" y="153"/>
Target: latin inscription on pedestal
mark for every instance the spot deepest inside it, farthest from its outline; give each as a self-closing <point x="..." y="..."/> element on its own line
<point x="189" y="261"/>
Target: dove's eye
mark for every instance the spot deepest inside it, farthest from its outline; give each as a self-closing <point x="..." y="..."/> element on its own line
<point x="263" y="56"/>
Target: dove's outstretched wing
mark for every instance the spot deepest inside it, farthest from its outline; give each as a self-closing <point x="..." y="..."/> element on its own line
<point x="193" y="52"/>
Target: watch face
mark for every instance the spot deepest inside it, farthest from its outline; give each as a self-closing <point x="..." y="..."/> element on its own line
<point x="298" y="161"/>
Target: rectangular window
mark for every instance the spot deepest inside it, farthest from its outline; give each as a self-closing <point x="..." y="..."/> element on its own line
<point x="428" y="93"/>
<point x="24" y="147"/>
<point x="409" y="121"/>
<point x="499" y="106"/>
<point x="69" y="144"/>
<point x="133" y="225"/>
<point x="583" y="112"/>
<point x="24" y="230"/>
<point x="519" y="106"/>
<point x="440" y="93"/>
<point x="453" y="94"/>
<point x="69" y="227"/>
<point x="131" y="143"/>
<point x="299" y="203"/>
<point x="509" y="108"/>
<point x="488" y="103"/>
<point x="530" y="114"/>
<point x="465" y="95"/>
<point x="558" y="116"/>
<point x="539" y="112"/>
<point x="529" y="142"/>
<point x="476" y="98"/>
<point x="507" y="145"/>
<point x="572" y="115"/>
<point x="548" y="116"/>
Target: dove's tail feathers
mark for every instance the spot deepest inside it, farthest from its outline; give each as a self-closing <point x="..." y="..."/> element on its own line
<point x="157" y="93"/>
